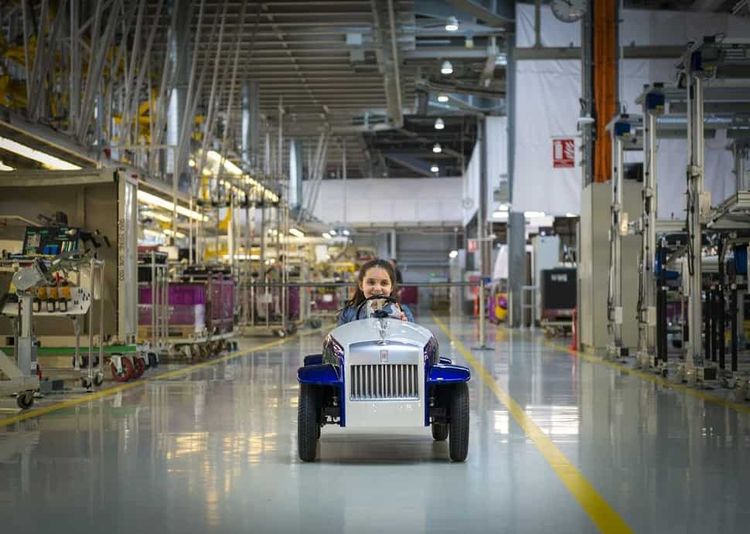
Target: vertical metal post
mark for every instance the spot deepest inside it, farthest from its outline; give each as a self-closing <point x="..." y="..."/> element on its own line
<point x="615" y="311"/>
<point x="482" y="316"/>
<point x="100" y="269"/>
<point x="647" y="312"/>
<point x="250" y="122"/>
<point x="343" y="177"/>
<point x="733" y="313"/>
<point x="695" y="358"/>
<point x="74" y="98"/>
<point x="92" y="286"/>
<point x="154" y="302"/>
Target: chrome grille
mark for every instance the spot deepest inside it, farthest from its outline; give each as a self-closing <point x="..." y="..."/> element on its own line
<point x="384" y="381"/>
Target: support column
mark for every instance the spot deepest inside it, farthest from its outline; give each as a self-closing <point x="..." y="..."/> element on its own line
<point x="516" y="220"/>
<point x="516" y="265"/>
<point x="393" y="245"/>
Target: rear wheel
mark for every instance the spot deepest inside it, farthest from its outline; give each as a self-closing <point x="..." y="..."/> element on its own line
<point x="459" y="425"/>
<point x="308" y="425"/>
<point x="439" y="431"/>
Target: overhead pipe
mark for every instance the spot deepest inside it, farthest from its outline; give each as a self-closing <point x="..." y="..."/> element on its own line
<point x="399" y="121"/>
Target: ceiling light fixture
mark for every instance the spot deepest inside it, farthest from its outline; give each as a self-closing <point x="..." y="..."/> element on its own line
<point x="439" y="124"/>
<point x="452" y="24"/>
<point x="326" y="235"/>
<point x="434" y="168"/>
<point x="442" y="98"/>
<point x="296" y="232"/>
<point x="446" y="67"/>
<point x="153" y="200"/>
<point x="437" y="149"/>
<point x="50" y="162"/>
<point x="215" y="158"/>
<point x="178" y="235"/>
<point x="4" y="167"/>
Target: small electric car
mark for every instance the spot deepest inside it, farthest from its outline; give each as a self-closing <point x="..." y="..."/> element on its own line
<point x="382" y="372"/>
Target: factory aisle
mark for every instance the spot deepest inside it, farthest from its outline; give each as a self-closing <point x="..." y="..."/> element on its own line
<point x="215" y="451"/>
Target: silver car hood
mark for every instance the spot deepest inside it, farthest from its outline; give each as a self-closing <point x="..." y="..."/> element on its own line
<point x="368" y="330"/>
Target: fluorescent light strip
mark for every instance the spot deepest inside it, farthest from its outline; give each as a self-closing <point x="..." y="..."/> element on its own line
<point x="215" y="158"/>
<point x="178" y="235"/>
<point x="296" y="232"/>
<point x="153" y="200"/>
<point x="50" y="162"/>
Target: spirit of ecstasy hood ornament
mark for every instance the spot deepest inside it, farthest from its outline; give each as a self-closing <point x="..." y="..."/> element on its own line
<point x="382" y="326"/>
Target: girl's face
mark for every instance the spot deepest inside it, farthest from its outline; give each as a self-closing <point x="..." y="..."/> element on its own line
<point x="376" y="282"/>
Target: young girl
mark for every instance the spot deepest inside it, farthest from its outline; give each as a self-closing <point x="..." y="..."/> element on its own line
<point x="376" y="277"/>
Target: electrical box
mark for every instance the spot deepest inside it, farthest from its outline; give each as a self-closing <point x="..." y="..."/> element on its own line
<point x="593" y="266"/>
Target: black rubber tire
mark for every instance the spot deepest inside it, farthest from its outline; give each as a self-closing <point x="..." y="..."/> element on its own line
<point x="308" y="422"/>
<point x="25" y="400"/>
<point x="440" y="431"/>
<point x="459" y="425"/>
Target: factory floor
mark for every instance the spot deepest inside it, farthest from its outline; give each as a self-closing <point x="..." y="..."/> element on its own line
<point x="559" y="443"/>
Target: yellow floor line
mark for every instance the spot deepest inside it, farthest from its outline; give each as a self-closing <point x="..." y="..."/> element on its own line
<point x="654" y="378"/>
<point x="596" y="507"/>
<point x="44" y="410"/>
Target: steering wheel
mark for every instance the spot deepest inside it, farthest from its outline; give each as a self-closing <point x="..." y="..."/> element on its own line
<point x="387" y="298"/>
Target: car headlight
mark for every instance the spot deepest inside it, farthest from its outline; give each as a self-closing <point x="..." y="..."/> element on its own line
<point x="333" y="352"/>
<point x="432" y="350"/>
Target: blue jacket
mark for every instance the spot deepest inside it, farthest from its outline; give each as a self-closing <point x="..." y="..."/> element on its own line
<point x="349" y="314"/>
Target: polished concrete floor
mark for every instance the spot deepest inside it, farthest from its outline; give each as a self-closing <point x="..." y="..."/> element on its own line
<point x="214" y="450"/>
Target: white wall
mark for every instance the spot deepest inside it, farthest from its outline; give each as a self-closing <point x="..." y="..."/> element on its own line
<point x="391" y="200"/>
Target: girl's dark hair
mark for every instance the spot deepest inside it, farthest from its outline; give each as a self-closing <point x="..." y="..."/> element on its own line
<point x="359" y="296"/>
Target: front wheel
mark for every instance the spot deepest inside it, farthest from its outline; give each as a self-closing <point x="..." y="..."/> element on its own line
<point x="459" y="425"/>
<point x="308" y="425"/>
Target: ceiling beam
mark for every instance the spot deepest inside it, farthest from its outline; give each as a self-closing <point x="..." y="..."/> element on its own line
<point x="629" y="52"/>
<point x="479" y="11"/>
